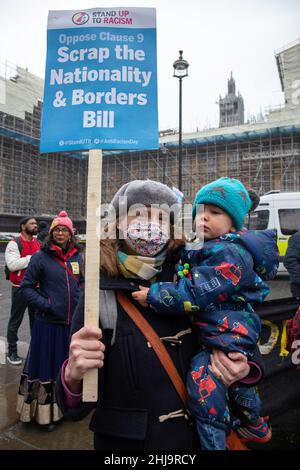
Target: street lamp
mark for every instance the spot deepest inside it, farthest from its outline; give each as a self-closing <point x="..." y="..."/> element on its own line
<point x="180" y="71"/>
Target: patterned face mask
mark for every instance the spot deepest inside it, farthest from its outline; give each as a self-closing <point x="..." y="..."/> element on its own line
<point x="146" y="239"/>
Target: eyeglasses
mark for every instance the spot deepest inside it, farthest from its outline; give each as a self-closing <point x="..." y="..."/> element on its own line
<point x="62" y="230"/>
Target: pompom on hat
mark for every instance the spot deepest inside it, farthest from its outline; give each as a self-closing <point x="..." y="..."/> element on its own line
<point x="63" y="220"/>
<point x="230" y="195"/>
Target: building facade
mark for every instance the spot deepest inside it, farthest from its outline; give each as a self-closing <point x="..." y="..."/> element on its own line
<point x="30" y="182"/>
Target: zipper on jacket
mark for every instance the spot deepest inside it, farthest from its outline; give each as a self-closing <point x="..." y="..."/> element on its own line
<point x="69" y="295"/>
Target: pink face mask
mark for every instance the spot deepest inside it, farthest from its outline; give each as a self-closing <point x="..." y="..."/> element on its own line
<point x="146" y="239"/>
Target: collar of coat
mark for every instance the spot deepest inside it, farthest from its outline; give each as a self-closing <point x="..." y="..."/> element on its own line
<point x="57" y="251"/>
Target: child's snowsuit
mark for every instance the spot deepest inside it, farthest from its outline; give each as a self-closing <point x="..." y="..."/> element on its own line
<point x="226" y="276"/>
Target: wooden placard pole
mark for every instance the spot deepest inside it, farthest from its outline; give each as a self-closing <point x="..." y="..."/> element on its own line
<point x="92" y="263"/>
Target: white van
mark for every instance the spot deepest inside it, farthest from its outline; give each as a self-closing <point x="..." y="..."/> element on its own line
<point x="281" y="211"/>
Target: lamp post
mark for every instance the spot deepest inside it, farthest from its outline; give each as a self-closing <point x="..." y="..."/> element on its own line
<point x="180" y="71"/>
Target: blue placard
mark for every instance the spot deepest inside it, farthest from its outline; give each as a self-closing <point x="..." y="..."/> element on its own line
<point x="100" y="81"/>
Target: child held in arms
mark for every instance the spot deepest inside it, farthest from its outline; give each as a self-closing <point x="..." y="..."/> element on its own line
<point x="216" y="286"/>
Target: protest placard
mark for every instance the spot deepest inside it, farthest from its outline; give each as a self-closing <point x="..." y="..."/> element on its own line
<point x="100" y="93"/>
<point x="100" y="80"/>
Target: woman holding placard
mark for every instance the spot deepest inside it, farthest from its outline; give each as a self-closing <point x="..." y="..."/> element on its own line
<point x="140" y="403"/>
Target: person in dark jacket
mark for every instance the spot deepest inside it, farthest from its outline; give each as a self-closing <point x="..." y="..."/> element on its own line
<point x="50" y="285"/>
<point x="138" y="406"/>
<point x="43" y="231"/>
<point x="292" y="263"/>
<point x="219" y="282"/>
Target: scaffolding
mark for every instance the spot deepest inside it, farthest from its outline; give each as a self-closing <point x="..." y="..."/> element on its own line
<point x="261" y="161"/>
<point x="32" y="183"/>
<point x="264" y="156"/>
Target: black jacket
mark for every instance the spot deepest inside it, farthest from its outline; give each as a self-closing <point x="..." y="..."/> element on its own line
<point x="134" y="389"/>
<point x="292" y="263"/>
<point x="56" y="299"/>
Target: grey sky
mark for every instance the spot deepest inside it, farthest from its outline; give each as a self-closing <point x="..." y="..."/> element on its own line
<point x="217" y="36"/>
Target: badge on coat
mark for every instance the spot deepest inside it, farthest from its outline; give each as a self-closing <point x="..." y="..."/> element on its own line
<point x="75" y="267"/>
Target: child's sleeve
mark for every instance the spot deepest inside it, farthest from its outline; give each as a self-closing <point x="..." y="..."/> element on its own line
<point x="220" y="278"/>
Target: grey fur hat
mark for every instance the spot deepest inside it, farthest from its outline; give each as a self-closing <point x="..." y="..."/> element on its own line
<point x="146" y="192"/>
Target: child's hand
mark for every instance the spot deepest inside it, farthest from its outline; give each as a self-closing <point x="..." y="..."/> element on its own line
<point x="141" y="296"/>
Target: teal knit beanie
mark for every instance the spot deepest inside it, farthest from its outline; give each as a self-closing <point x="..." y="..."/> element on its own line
<point x="230" y="195"/>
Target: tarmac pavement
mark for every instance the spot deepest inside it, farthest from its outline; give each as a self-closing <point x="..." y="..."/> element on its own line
<point x="67" y="435"/>
<point x="15" y="435"/>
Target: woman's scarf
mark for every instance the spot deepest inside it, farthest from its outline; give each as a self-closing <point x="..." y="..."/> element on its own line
<point x="142" y="267"/>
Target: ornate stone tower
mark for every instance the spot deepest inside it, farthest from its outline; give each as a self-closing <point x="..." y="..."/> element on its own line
<point x="231" y="107"/>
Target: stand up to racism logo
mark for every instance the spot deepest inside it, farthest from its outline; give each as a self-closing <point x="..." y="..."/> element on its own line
<point x="80" y="18"/>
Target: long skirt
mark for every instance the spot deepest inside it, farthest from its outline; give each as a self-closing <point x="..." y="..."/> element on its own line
<point x="49" y="348"/>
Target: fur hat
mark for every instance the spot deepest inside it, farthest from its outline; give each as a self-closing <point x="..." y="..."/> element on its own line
<point x="144" y="192"/>
<point x="230" y="195"/>
<point x="64" y="220"/>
